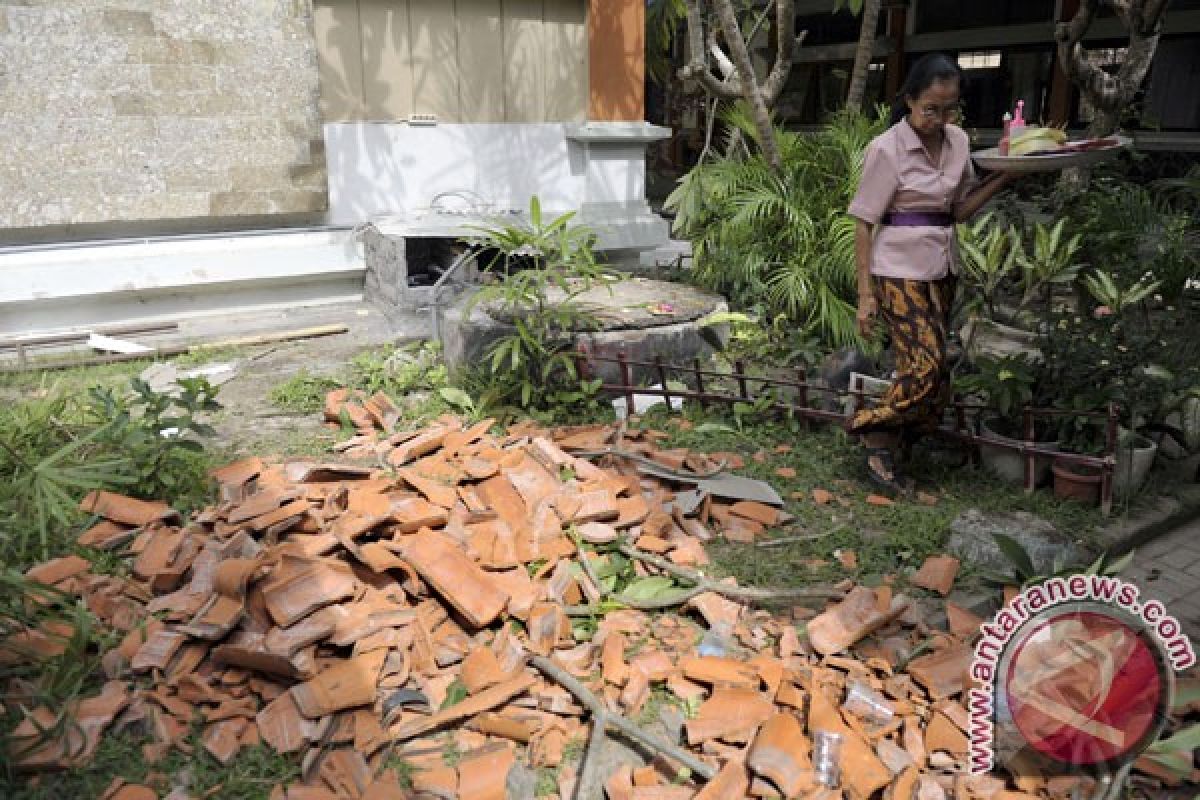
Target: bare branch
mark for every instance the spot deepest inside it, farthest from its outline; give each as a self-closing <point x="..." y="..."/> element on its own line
<point x="724" y="65"/>
<point x="1150" y="15"/>
<point x="1122" y="10"/>
<point x="785" y="50"/>
<point x="697" y="66"/>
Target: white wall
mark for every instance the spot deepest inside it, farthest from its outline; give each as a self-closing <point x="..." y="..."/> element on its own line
<point x="379" y="168"/>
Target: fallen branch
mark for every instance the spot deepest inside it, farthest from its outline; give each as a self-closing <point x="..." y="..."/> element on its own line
<point x="705" y="584"/>
<point x="786" y="540"/>
<point x="602" y="720"/>
<point x="700" y="585"/>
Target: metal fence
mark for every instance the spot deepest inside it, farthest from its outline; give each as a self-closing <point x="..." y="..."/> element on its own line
<point x="698" y="380"/>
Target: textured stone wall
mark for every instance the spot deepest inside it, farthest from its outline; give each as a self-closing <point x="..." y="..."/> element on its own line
<point x="132" y="110"/>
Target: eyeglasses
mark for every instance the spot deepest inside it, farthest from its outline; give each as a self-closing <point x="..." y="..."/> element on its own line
<point x="953" y="113"/>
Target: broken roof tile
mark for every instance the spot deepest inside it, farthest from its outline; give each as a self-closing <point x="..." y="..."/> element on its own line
<point x="442" y="563"/>
<point x="850" y="620"/>
<point x="937" y="574"/>
<point x="345" y="684"/>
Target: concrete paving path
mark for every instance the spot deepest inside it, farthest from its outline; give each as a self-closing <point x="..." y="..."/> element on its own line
<point x="1168" y="569"/>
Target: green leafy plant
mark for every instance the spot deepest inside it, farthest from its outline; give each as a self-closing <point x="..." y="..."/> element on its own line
<point x="988" y="254"/>
<point x="1113" y="298"/>
<point x="303" y="393"/>
<point x="161" y="434"/>
<point x="1025" y="573"/>
<point x="1007" y="384"/>
<point x="543" y="267"/>
<point x="782" y="238"/>
<point x="416" y="366"/>
<point x="1053" y="260"/>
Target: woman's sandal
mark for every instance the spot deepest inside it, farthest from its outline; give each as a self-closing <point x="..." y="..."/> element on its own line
<point x="896" y="484"/>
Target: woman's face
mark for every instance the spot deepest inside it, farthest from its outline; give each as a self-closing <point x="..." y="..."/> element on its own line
<point x="934" y="107"/>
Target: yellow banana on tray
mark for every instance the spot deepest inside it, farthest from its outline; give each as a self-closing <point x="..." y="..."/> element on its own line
<point x="1037" y="140"/>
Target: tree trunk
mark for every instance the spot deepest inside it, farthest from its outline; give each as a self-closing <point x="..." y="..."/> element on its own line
<point x="1108" y="94"/>
<point x="862" y="55"/>
<point x="749" y="84"/>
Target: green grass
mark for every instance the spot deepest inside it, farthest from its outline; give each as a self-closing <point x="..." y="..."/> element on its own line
<point x="886" y="539"/>
<point x="303" y="393"/>
<point x="75" y="379"/>
<point x="249" y="776"/>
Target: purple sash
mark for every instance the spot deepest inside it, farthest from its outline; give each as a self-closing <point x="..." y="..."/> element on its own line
<point x="918" y="219"/>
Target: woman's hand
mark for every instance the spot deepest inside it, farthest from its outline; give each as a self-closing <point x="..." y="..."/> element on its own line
<point x="868" y="312"/>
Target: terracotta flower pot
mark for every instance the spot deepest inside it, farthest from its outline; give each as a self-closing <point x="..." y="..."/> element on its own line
<point x="1072" y="482"/>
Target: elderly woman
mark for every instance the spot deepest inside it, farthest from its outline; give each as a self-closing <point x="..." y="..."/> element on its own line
<point x="917" y="183"/>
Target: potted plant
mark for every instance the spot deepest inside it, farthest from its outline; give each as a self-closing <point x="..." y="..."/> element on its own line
<point x="1008" y="386"/>
<point x="1082" y="436"/>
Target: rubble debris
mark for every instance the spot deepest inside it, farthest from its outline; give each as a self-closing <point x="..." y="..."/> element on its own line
<point x="347" y="615"/>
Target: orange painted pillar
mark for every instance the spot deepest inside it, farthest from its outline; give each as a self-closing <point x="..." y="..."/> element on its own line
<point x="616" y="60"/>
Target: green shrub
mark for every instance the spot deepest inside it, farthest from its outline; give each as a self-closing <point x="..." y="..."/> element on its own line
<point x="782" y="239"/>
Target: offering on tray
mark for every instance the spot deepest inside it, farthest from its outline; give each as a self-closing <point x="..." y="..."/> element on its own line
<point x="1038" y="148"/>
<point x="1036" y="140"/>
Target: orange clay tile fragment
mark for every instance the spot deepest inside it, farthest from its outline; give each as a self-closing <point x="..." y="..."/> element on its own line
<point x="486" y="700"/>
<point x="442" y="563"/>
<point x="547" y="626"/>
<point x="631" y="511"/>
<point x="943" y="673"/>
<point x="619" y="786"/>
<point x="413" y="513"/>
<point x="597" y="533"/>
<point x="862" y="771"/>
<point x="441" y="781"/>
<point x="422" y="444"/>
<point x="728" y="711"/>
<point x="904" y="787"/>
<point x="133" y="791"/>
<point x="298" y="587"/>
<point x="880" y="500"/>
<point x="58" y="570"/>
<point x="119" y="508"/>
<point x="962" y="622"/>
<point x="223" y="739"/>
<point x="942" y="734"/>
<point x="780" y="754"/>
<point x="281" y="725"/>
<point x="480" y="669"/>
<point x="731" y="781"/>
<point x="436" y="492"/>
<point x="612" y="659"/>
<point x="483" y="775"/>
<point x="758" y="512"/>
<point x="345" y="684"/>
<point x="822" y="497"/>
<point x="662" y="793"/>
<point x="850" y="620"/>
<point x="716" y="671"/>
<point x="937" y="574"/>
<point x="158" y="651"/>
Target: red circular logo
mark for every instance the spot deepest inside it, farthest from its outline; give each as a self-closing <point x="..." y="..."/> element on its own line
<point x="1085" y="688"/>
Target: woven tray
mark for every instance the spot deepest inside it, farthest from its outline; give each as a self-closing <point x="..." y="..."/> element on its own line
<point x="991" y="160"/>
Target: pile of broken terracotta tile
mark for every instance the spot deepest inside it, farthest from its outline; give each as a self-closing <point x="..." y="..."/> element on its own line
<point x="354" y="616"/>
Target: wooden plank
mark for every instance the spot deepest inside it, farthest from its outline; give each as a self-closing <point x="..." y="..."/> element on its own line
<point x="480" y="60"/>
<point x="566" y="61"/>
<point x="387" y="60"/>
<point x="339" y="58"/>
<point x="524" y="66"/>
<point x="434" y="59"/>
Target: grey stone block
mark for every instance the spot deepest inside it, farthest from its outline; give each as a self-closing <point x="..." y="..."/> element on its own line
<point x="972" y="540"/>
